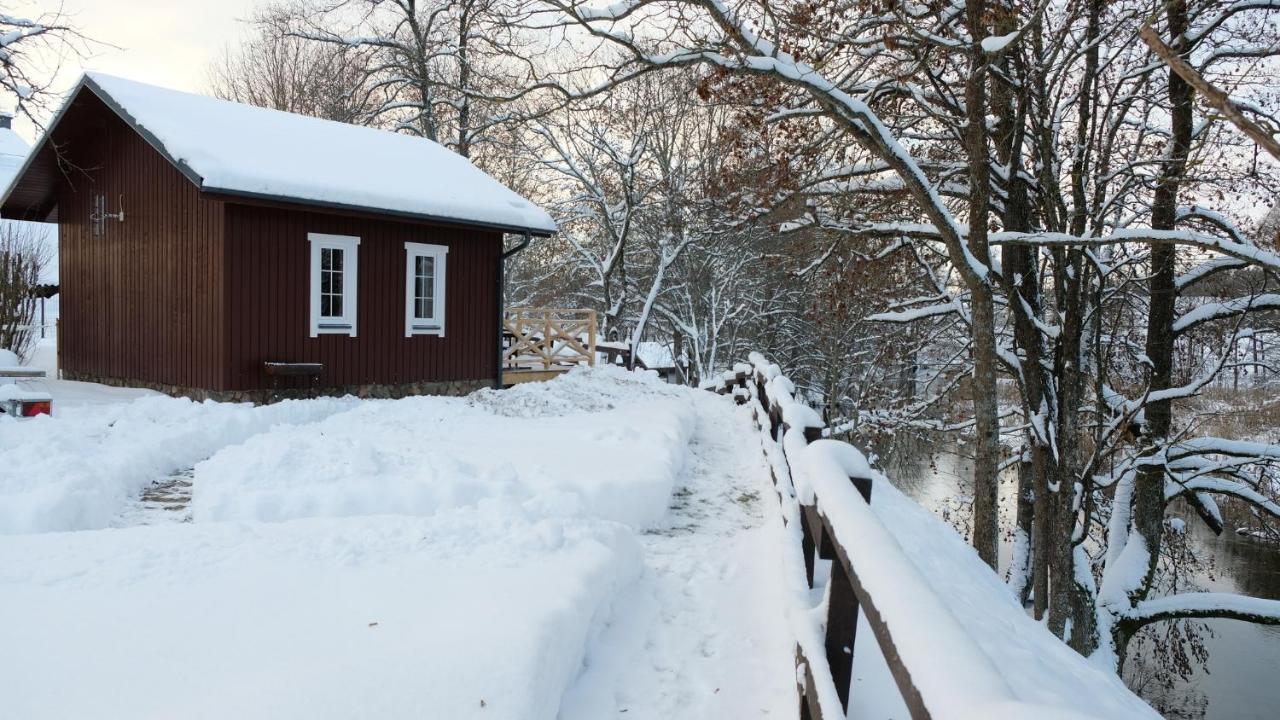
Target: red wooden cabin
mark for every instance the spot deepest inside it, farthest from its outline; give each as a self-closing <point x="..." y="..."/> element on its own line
<point x="201" y="240"/>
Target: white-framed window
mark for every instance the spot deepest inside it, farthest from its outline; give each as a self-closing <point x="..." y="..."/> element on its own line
<point x="424" y="276"/>
<point x="334" y="265"/>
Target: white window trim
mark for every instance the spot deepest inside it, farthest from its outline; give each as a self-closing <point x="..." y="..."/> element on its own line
<point x="350" y="273"/>
<point x="440" y="253"/>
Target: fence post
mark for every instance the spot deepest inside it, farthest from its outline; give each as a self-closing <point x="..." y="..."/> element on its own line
<point x="809" y="542"/>
<point x="842" y="613"/>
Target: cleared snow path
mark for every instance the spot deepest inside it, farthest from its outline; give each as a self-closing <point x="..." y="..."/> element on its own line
<point x="703" y="633"/>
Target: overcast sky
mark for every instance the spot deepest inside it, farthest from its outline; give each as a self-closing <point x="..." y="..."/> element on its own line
<point x="166" y="42"/>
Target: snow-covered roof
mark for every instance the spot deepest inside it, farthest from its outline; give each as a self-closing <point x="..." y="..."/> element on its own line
<point x="238" y="149"/>
<point x="13" y="151"/>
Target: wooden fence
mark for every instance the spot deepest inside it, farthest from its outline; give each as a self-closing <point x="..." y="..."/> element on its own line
<point x="749" y="385"/>
<point x="824" y="665"/>
<point x="548" y="339"/>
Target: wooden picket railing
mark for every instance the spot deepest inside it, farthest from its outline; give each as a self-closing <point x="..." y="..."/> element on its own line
<point x="808" y="490"/>
<point x="543" y="342"/>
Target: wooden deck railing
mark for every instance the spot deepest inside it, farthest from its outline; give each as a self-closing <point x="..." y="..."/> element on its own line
<point x="549" y="339"/>
<point x="940" y="673"/>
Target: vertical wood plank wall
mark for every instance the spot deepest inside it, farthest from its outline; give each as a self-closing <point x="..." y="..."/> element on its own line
<point x="143" y="301"/>
<point x="268" y="285"/>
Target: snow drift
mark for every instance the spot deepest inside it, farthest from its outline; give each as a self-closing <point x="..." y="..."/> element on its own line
<point x="419" y="456"/>
<point x="480" y="614"/>
<point x="79" y="468"/>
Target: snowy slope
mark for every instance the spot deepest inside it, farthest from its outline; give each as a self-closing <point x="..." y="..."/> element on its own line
<point x="934" y="592"/>
<point x="245" y="149"/>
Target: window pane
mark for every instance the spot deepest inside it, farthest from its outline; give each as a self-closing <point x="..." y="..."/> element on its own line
<point x="337" y="306"/>
<point x="337" y="282"/>
<point x="337" y="259"/>
<point x="422" y="300"/>
<point x="326" y="258"/>
<point x="324" y="281"/>
<point x="325" y="306"/>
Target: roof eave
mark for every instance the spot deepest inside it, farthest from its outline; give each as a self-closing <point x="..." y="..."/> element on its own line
<point x="44" y="140"/>
<point x="347" y="207"/>
<point x="88" y="82"/>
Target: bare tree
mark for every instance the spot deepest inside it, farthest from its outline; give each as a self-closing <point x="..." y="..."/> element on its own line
<point x="283" y="72"/>
<point x="31" y="51"/>
<point x="23" y="257"/>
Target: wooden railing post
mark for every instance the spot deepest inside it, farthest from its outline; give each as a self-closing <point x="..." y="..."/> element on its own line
<point x="592" y="326"/>
<point x="842" y="628"/>
<point x="842" y="614"/>
<point x="810" y="537"/>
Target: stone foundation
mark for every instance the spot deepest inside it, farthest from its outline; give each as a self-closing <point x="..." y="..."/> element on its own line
<point x="450" y="387"/>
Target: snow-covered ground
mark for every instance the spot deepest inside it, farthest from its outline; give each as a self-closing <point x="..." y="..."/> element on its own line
<point x="575" y="549"/>
<point x="602" y="545"/>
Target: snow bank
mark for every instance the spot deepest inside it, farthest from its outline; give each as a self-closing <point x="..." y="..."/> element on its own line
<point x="419" y="456"/>
<point x="934" y="592"/>
<point x="605" y="387"/>
<point x="77" y="469"/>
<point x="472" y="614"/>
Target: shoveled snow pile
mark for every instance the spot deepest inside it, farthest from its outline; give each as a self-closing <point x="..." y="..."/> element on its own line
<point x="467" y="615"/>
<point x="425" y="557"/>
<point x="582" y="390"/>
<point x="419" y="456"/>
<point x="78" y="469"/>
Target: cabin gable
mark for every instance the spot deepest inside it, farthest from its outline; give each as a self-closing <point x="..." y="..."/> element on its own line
<point x="143" y="297"/>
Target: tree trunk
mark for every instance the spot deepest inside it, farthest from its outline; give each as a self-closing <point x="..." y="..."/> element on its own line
<point x="1148" y="494"/>
<point x="986" y="529"/>
<point x="1071" y="603"/>
<point x="464" y="81"/>
<point x="1021" y="280"/>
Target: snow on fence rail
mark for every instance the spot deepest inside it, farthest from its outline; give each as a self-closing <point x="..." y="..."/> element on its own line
<point x="940" y="668"/>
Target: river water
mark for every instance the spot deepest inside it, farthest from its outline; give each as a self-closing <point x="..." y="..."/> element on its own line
<point x="1240" y="679"/>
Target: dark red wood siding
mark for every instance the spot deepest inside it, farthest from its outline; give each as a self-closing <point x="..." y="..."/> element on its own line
<point x="268" y="286"/>
<point x="145" y="300"/>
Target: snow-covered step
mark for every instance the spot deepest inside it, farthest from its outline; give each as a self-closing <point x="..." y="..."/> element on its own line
<point x="167" y="500"/>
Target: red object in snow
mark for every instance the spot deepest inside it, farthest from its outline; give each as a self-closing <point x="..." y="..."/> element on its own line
<point x="39" y="407"/>
<point x="33" y="405"/>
